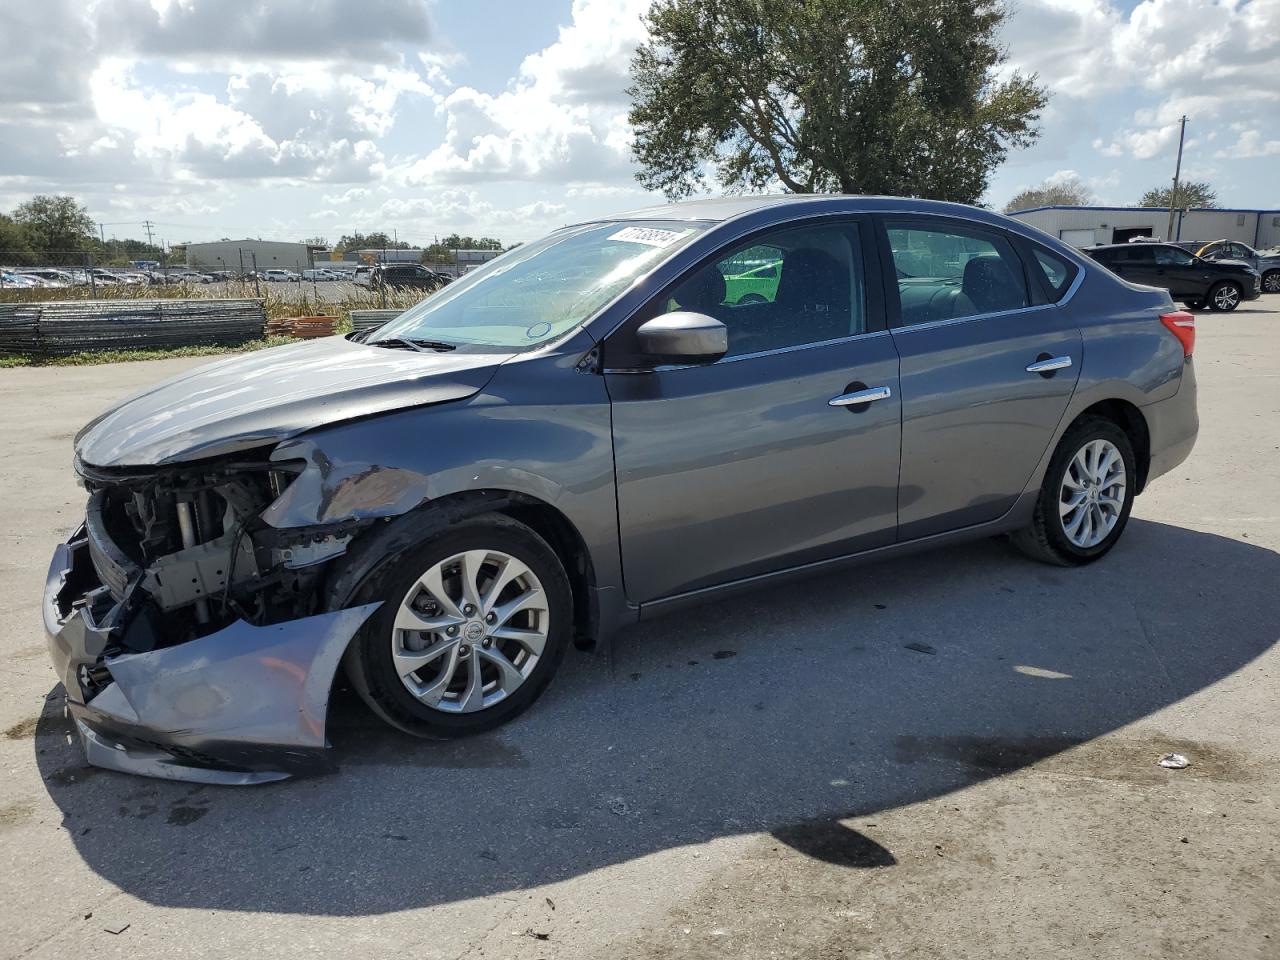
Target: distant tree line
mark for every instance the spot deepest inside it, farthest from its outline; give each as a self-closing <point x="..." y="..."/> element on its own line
<point x="48" y="228"/>
<point x="1070" y="192"/>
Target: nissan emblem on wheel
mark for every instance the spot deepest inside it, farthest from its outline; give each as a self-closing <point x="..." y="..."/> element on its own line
<point x="626" y="416"/>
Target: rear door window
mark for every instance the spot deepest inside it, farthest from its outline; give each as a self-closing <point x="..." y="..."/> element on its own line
<point x="947" y="272"/>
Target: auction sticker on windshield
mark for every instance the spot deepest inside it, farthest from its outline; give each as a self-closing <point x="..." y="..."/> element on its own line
<point x="650" y="236"/>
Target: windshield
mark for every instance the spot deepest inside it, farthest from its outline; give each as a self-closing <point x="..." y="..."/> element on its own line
<point x="539" y="291"/>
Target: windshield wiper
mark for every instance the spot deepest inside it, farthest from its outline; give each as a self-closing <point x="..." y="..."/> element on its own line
<point x="413" y="343"/>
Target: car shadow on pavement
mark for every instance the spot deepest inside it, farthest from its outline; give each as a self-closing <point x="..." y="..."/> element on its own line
<point x="785" y="711"/>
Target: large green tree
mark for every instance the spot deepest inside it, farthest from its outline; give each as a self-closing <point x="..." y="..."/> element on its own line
<point x="1060" y="193"/>
<point x="13" y="239"/>
<point x="55" y="223"/>
<point x="861" y="96"/>
<point x="1192" y="193"/>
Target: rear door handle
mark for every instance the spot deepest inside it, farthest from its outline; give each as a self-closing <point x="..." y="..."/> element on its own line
<point x="860" y="396"/>
<point x="1049" y="365"/>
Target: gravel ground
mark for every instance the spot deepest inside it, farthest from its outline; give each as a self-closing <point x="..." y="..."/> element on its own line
<point x="774" y="776"/>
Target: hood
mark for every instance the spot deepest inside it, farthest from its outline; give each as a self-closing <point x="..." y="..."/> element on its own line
<point x="267" y="396"/>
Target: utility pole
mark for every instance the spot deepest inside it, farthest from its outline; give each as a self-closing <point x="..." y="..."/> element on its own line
<point x="1177" y="175"/>
<point x="148" y="225"/>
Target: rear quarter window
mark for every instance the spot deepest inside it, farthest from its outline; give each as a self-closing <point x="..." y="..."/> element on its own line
<point x="1057" y="271"/>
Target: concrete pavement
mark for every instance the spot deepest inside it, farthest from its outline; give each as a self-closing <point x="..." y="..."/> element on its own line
<point x="775" y="775"/>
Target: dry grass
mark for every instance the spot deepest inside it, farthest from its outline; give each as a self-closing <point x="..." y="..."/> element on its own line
<point x="121" y="356"/>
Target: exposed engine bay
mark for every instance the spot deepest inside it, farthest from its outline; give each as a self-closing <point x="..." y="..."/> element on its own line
<point x="184" y="549"/>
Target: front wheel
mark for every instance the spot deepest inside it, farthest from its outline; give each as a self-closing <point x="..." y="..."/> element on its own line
<point x="472" y="627"/>
<point x="1086" y="496"/>
<point x="1225" y="297"/>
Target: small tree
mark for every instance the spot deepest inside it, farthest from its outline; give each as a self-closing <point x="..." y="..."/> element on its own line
<point x="437" y="253"/>
<point x="378" y="240"/>
<point x="860" y="96"/>
<point x="1069" y="192"/>
<point x="1192" y="193"/>
<point x="55" y="223"/>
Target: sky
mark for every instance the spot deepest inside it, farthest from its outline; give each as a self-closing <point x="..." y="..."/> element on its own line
<point x="290" y="119"/>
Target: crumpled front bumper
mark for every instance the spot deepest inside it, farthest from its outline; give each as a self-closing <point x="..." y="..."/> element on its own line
<point x="246" y="704"/>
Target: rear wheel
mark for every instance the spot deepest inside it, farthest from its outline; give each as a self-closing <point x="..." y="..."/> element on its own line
<point x="1086" y="496"/>
<point x="1225" y="297"/>
<point x="1271" y="281"/>
<point x="472" y="627"/>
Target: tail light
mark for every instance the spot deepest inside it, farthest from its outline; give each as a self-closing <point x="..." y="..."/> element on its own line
<point x="1183" y="326"/>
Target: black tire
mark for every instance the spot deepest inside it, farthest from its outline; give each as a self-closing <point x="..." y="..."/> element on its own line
<point x="1271" y="281"/>
<point x="1217" y="290"/>
<point x="369" y="658"/>
<point x="1045" y="539"/>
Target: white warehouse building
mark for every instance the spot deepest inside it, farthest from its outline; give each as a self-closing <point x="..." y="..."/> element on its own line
<point x="1085" y="226"/>
<point x="245" y="255"/>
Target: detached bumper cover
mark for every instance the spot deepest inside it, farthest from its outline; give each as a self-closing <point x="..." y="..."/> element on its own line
<point x="243" y="705"/>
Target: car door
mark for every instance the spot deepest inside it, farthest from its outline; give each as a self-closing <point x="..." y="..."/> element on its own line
<point x="1182" y="274"/>
<point x="784" y="451"/>
<point x="986" y="372"/>
<point x="1136" y="263"/>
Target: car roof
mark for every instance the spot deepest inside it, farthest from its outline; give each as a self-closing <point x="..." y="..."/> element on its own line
<point x="1135" y="243"/>
<point x="719" y="209"/>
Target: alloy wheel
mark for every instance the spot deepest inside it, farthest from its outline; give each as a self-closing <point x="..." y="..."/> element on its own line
<point x="1092" y="493"/>
<point x="1226" y="297"/>
<point x="470" y="631"/>
<point x="1271" y="282"/>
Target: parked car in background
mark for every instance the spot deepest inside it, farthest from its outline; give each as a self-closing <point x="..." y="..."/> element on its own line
<point x="413" y="276"/>
<point x="50" y="277"/>
<point x="18" y="281"/>
<point x="1267" y="263"/>
<point x="279" y="276"/>
<point x="222" y="276"/>
<point x="363" y="275"/>
<point x="1219" y="285"/>
<point x="753" y="281"/>
<point x="187" y="276"/>
<point x="592" y="434"/>
<point x="317" y="274"/>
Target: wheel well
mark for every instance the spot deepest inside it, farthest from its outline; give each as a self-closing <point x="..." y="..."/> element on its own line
<point x="414" y="527"/>
<point x="1129" y="419"/>
<point x="554" y="527"/>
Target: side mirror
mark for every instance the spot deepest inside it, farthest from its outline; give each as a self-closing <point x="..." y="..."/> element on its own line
<point x="683" y="337"/>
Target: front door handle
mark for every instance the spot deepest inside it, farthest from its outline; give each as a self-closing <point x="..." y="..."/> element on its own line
<point x="860" y="396"/>
<point x="1049" y="364"/>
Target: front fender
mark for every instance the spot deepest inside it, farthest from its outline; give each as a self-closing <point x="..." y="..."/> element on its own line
<point x="540" y="429"/>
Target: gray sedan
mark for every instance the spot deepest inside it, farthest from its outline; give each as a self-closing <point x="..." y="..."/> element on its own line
<point x="623" y="418"/>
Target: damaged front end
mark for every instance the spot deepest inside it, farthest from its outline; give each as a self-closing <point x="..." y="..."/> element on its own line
<point x="191" y="635"/>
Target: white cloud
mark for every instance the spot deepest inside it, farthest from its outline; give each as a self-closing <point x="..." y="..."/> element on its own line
<point x="1250" y="144"/>
<point x="1213" y="60"/>
<point x="563" y="119"/>
<point x="266" y="30"/>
